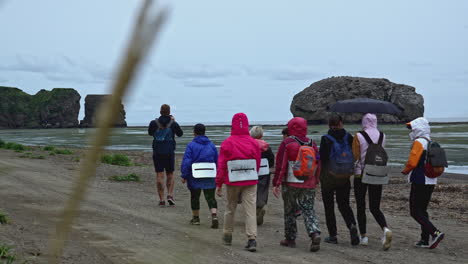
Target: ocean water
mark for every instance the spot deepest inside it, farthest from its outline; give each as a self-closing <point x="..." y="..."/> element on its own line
<point x="453" y="137"/>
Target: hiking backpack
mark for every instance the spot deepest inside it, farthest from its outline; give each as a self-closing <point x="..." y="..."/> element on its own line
<point x="375" y="169"/>
<point x="306" y="162"/>
<point x="163" y="137"/>
<point x="436" y="160"/>
<point x="341" y="158"/>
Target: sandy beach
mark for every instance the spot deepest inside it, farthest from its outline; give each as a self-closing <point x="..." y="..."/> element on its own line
<point x="120" y="222"/>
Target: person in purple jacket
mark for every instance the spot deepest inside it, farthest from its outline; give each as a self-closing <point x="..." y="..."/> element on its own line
<point x="199" y="171"/>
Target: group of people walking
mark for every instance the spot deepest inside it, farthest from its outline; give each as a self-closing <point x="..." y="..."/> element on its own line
<point x="245" y="162"/>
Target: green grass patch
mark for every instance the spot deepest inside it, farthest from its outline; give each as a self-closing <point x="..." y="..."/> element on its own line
<point x="116" y="159"/>
<point x="15" y="146"/>
<point x="63" y="151"/>
<point x="76" y="159"/>
<point x="49" y="148"/>
<point x="129" y="177"/>
<point x="4" y="218"/>
<point x="6" y="256"/>
<point x="2" y="143"/>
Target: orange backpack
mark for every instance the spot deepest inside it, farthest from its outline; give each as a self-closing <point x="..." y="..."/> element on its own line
<point x="306" y="162"/>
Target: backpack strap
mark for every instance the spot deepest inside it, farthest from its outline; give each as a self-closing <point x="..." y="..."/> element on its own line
<point x="381" y="138"/>
<point x="161" y="126"/>
<point x="332" y="139"/>
<point x="309" y="143"/>
<point x="366" y="137"/>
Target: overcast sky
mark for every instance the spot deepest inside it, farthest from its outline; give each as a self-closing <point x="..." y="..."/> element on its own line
<point x="216" y="58"/>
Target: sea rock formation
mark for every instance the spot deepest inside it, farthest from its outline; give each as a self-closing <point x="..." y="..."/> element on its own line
<point x="58" y="108"/>
<point x="313" y="102"/>
<point x="92" y="103"/>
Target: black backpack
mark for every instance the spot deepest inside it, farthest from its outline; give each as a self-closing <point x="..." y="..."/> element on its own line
<point x="436" y="160"/>
<point x="375" y="169"/>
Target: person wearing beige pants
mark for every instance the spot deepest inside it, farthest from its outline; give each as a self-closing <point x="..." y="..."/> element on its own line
<point x="249" y="197"/>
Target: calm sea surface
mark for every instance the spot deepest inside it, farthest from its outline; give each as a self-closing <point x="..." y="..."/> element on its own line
<point x="454" y="138"/>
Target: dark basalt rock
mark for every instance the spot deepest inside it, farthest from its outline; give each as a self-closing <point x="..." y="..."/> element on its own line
<point x="92" y="103"/>
<point x="313" y="102"/>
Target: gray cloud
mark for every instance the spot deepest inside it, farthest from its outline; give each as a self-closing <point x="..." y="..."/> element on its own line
<point x="202" y="83"/>
<point x="286" y="73"/>
<point x="58" y="68"/>
<point x="200" y="72"/>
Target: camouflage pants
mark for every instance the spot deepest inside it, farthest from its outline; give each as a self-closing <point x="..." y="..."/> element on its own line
<point x="305" y="198"/>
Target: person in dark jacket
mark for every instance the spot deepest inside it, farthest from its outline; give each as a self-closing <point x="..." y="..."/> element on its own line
<point x="264" y="174"/>
<point x="200" y="150"/>
<point x="331" y="185"/>
<point x="163" y="130"/>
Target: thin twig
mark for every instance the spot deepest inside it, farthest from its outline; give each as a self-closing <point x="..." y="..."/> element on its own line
<point x="146" y="29"/>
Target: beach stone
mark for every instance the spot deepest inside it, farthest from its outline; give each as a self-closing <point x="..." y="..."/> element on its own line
<point x="58" y="108"/>
<point x="312" y="103"/>
<point x="92" y="104"/>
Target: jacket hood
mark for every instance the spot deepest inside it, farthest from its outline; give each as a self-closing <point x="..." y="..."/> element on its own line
<point x="297" y="127"/>
<point x="164" y="120"/>
<point x="420" y="128"/>
<point x="369" y="121"/>
<point x="204" y="140"/>
<point x="240" y="124"/>
<point x="338" y="134"/>
<point x="262" y="144"/>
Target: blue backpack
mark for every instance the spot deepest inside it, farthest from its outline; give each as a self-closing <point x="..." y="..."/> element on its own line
<point x="341" y="158"/>
<point x="163" y="138"/>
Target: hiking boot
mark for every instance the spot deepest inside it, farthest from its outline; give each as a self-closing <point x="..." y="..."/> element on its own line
<point x="170" y="200"/>
<point x="354" y="235"/>
<point x="214" y="222"/>
<point x="251" y="245"/>
<point x="422" y="244"/>
<point x="314" y="242"/>
<point x="162" y="203"/>
<point x="227" y="239"/>
<point x="288" y="243"/>
<point x="195" y="220"/>
<point x="387" y="239"/>
<point x="364" y="241"/>
<point x="331" y="240"/>
<point x="260" y="215"/>
<point x="436" y="238"/>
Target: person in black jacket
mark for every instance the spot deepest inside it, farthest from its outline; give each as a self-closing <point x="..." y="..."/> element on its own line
<point x="264" y="174"/>
<point x="163" y="130"/>
<point x="331" y="185"/>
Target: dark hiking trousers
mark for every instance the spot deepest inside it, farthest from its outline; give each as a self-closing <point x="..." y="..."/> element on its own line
<point x="342" y="192"/>
<point x="305" y="198"/>
<point x="420" y="196"/>
<point x="262" y="190"/>
<point x="375" y="195"/>
<point x="209" y="197"/>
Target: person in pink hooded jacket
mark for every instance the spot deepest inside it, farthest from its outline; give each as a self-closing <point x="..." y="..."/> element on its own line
<point x="238" y="165"/>
<point x="294" y="192"/>
<point x="360" y="146"/>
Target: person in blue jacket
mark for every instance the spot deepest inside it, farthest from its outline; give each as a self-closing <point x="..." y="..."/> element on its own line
<point x="200" y="150"/>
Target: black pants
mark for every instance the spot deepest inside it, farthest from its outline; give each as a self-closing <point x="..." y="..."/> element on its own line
<point x="262" y="190"/>
<point x="375" y="195"/>
<point x="342" y="192"/>
<point x="420" y="196"/>
<point x="209" y="196"/>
